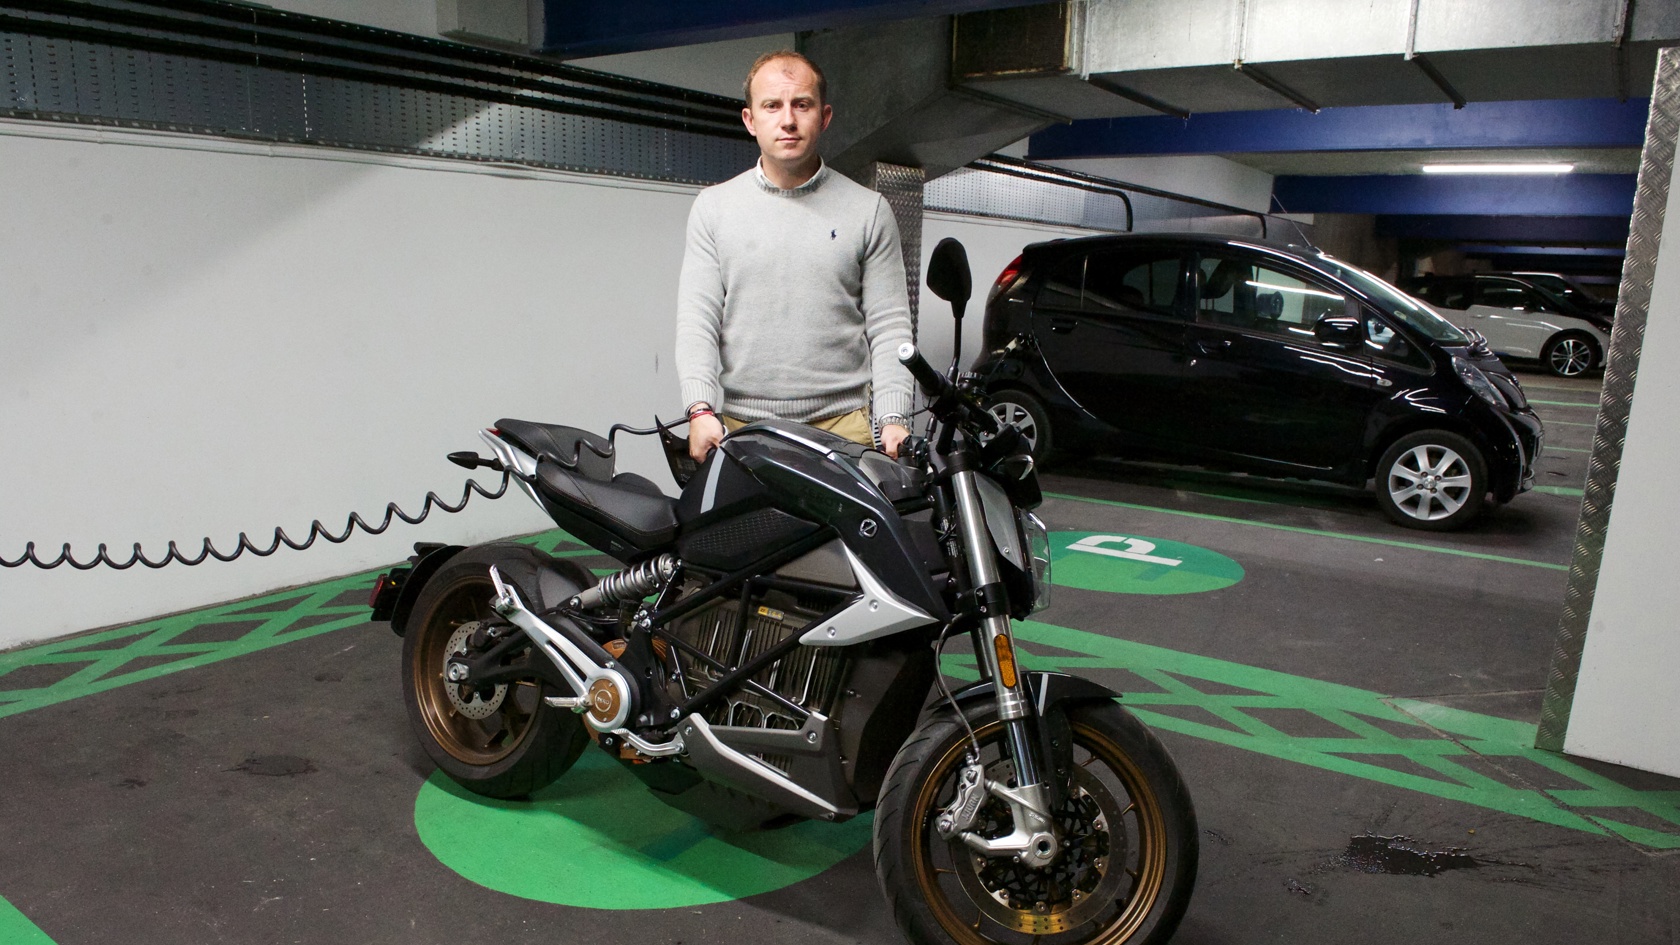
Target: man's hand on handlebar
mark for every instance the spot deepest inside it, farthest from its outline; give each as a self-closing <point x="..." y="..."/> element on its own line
<point x="705" y="432"/>
<point x="892" y="436"/>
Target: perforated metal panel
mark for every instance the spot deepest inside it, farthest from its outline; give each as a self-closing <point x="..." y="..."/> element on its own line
<point x="1633" y="305"/>
<point x="993" y="194"/>
<point x="404" y="108"/>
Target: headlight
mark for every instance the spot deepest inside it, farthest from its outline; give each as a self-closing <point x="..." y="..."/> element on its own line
<point x="1479" y="383"/>
<point x="1038" y="549"/>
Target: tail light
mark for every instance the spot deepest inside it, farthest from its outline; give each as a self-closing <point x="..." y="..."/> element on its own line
<point x="1006" y="279"/>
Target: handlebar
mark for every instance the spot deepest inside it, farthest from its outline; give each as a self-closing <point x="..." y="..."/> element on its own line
<point x="947" y="401"/>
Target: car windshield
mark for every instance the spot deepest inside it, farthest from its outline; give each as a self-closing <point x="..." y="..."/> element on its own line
<point x="1559" y="290"/>
<point x="1408" y="310"/>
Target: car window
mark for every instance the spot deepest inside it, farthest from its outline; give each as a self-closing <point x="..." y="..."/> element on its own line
<point x="1399" y="305"/>
<point x="1502" y="294"/>
<point x="1381" y="340"/>
<point x="1452" y="295"/>
<point x="1242" y="294"/>
<point x="1062" y="286"/>
<point x="1130" y="281"/>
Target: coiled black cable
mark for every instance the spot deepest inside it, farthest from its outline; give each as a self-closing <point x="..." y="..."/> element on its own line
<point x="316" y="530"/>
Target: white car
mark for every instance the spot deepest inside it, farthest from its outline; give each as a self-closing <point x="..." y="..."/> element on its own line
<point x="1522" y="320"/>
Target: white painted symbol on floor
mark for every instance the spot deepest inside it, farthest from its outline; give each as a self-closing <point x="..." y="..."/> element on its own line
<point x="1136" y="549"/>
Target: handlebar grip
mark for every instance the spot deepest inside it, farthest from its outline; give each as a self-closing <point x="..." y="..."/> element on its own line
<point x="932" y="383"/>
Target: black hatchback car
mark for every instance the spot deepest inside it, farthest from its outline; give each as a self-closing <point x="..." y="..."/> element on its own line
<point x="1260" y="357"/>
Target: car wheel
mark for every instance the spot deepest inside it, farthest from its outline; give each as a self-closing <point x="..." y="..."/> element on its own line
<point x="1570" y="354"/>
<point x="1028" y="415"/>
<point x="1432" y="480"/>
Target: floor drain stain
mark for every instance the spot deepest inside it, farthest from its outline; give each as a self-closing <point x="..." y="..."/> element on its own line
<point x="1402" y="856"/>
<point x="275" y="766"/>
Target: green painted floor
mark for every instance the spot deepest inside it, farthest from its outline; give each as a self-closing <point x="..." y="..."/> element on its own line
<point x="244" y="773"/>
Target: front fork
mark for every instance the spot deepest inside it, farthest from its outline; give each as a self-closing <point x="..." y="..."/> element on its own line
<point x="1033" y="841"/>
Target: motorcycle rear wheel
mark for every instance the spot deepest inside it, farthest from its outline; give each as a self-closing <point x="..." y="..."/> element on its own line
<point x="502" y="742"/>
<point x="1129" y="833"/>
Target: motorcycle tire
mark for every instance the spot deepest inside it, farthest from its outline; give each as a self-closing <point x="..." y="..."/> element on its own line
<point x="1128" y="861"/>
<point x="503" y="742"/>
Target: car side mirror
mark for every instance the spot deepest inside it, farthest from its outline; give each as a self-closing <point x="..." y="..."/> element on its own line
<point x="1338" y="331"/>
<point x="948" y="275"/>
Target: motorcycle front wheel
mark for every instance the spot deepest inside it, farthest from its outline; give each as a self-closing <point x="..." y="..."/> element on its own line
<point x="1128" y="829"/>
<point x="502" y="741"/>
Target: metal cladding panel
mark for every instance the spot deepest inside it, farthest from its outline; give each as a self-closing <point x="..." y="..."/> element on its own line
<point x="73" y="80"/>
<point x="1633" y="304"/>
<point x="984" y="193"/>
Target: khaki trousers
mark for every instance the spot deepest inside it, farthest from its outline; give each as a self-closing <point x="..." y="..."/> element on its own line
<point x="853" y="426"/>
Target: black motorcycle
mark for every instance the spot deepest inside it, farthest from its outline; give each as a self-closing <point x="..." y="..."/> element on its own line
<point x="771" y="651"/>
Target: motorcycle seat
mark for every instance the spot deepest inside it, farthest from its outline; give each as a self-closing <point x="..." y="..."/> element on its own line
<point x="575" y="470"/>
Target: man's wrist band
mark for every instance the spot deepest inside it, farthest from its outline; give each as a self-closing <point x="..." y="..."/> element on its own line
<point x="895" y="419"/>
<point x="701" y="412"/>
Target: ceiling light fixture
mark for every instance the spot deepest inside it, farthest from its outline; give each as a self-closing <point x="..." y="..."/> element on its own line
<point x="1498" y="168"/>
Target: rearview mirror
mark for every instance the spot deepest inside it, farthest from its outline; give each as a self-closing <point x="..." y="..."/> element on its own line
<point x="948" y="274"/>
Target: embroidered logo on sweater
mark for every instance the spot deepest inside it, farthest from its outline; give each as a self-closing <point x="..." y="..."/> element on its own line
<point x="833" y="234"/>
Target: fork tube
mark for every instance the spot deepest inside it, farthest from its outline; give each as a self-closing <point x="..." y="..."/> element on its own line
<point x="1014" y="703"/>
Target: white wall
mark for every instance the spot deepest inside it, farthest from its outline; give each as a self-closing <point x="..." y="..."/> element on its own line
<point x="1207" y="176"/>
<point x="199" y="342"/>
<point x="1627" y="697"/>
<point x="199" y="338"/>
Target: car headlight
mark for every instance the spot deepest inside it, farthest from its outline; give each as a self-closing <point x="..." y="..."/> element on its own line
<point x="1038" y="550"/>
<point x="1478" y="382"/>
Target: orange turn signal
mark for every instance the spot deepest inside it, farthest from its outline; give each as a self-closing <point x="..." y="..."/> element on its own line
<point x="1006" y="660"/>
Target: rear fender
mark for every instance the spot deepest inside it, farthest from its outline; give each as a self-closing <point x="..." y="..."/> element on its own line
<point x="426" y="561"/>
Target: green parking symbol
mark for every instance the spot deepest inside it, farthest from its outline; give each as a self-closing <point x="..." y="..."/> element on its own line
<point x="1130" y="564"/>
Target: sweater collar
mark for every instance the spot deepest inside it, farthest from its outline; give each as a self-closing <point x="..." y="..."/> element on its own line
<point x="809" y="186"/>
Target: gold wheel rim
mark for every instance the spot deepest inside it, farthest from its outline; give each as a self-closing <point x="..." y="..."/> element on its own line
<point x="1145" y="857"/>
<point x="476" y="742"/>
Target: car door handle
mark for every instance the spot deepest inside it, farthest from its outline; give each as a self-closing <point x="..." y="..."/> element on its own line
<point x="1218" y="346"/>
<point x="1062" y="326"/>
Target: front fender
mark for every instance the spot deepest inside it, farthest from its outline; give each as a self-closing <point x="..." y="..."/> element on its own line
<point x="1049" y="691"/>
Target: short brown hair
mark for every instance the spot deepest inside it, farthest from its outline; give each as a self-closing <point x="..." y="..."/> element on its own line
<point x="769" y="57"/>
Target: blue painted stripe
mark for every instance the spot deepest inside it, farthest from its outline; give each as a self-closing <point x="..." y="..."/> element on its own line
<point x="1612" y="230"/>
<point x="1560" y="123"/>
<point x="605" y="27"/>
<point x="1594" y="195"/>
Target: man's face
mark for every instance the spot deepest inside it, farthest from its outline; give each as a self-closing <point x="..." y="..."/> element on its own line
<point x="785" y="114"/>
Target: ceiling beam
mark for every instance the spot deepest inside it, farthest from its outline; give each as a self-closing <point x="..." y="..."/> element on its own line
<point x="1579" y="231"/>
<point x="1589" y="195"/>
<point x="575" y="28"/>
<point x="1555" y="123"/>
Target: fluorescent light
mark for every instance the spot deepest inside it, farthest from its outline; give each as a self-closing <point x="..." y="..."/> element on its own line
<point x="1498" y="168"/>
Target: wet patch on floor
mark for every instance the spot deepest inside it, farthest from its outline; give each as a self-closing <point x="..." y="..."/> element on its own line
<point x="1402" y="856"/>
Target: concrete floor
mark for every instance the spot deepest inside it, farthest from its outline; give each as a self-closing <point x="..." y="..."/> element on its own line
<point x="255" y="780"/>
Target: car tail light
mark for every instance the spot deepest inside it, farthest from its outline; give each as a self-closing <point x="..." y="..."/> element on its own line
<point x="1005" y="279"/>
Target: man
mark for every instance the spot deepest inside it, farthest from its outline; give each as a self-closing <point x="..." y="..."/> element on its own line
<point x="792" y="300"/>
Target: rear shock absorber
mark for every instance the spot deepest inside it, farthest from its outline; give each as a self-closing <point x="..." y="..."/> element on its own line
<point x="632" y="583"/>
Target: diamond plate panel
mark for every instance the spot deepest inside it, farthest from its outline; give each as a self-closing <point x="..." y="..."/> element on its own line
<point x="1650" y="202"/>
<point x="904" y="187"/>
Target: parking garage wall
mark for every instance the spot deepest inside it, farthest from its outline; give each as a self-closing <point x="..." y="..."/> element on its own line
<point x="205" y="337"/>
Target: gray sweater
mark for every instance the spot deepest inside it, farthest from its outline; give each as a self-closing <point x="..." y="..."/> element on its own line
<point x="791" y="302"/>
